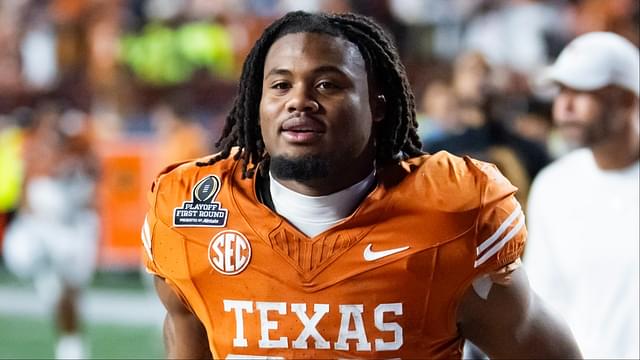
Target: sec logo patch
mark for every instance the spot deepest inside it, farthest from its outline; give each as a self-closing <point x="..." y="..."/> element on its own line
<point x="229" y="252"/>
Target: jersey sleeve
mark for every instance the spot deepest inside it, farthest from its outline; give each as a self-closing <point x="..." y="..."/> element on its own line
<point x="147" y="232"/>
<point x="154" y="234"/>
<point x="500" y="230"/>
<point x="162" y="247"/>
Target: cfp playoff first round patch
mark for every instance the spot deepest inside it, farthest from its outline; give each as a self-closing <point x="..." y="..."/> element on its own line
<point x="202" y="210"/>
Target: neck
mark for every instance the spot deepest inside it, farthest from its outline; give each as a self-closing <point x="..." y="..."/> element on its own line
<point x="618" y="152"/>
<point x="339" y="178"/>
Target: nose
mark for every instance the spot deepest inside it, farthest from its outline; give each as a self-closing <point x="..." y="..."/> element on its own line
<point x="301" y="101"/>
<point x="563" y="106"/>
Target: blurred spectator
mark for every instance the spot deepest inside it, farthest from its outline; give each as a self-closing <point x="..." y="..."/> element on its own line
<point x="486" y="136"/>
<point x="9" y="51"/>
<point x="535" y="124"/>
<point x="180" y="136"/>
<point x="514" y="34"/>
<point x="619" y="16"/>
<point x="38" y="49"/>
<point x="582" y="254"/>
<point x="53" y="238"/>
<point x="433" y="26"/>
<point x="438" y="115"/>
<point x="471" y="86"/>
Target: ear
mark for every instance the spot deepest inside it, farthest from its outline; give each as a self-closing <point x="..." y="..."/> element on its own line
<point x="378" y="108"/>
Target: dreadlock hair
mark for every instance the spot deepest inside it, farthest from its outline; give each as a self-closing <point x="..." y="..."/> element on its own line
<point x="396" y="135"/>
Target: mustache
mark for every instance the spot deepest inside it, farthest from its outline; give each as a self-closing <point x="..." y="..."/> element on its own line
<point x="301" y="115"/>
<point x="303" y="120"/>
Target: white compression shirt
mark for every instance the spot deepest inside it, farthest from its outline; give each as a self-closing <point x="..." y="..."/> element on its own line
<point x="315" y="214"/>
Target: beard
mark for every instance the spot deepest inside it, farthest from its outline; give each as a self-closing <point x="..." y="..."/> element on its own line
<point x="591" y="133"/>
<point x="574" y="135"/>
<point x="303" y="168"/>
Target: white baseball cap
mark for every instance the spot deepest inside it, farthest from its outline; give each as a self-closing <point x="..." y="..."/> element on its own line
<point x="595" y="60"/>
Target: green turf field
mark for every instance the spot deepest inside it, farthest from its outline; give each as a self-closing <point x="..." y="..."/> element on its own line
<point x="33" y="338"/>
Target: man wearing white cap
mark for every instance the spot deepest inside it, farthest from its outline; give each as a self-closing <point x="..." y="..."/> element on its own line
<point x="582" y="257"/>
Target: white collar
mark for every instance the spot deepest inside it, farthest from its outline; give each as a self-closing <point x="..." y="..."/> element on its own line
<point x="314" y="214"/>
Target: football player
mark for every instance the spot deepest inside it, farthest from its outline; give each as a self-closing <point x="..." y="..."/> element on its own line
<point x="53" y="240"/>
<point x="320" y="230"/>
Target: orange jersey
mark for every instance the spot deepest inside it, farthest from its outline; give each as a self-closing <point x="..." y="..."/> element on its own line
<point x="383" y="283"/>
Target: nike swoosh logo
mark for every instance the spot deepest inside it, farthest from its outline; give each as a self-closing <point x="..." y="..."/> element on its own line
<point x="370" y="255"/>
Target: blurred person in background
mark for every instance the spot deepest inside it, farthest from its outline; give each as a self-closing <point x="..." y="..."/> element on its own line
<point x="583" y="212"/>
<point x="535" y="123"/>
<point x="515" y="36"/>
<point x="53" y="238"/>
<point x="618" y="16"/>
<point x="438" y="115"/>
<point x="471" y="84"/>
<point x="181" y="137"/>
<point x="486" y="136"/>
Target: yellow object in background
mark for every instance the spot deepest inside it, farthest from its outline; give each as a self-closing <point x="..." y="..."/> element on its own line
<point x="11" y="168"/>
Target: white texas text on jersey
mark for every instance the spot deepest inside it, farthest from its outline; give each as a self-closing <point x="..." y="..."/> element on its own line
<point x="350" y="314"/>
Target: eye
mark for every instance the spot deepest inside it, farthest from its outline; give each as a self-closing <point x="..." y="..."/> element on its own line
<point x="280" y="85"/>
<point x="327" y="85"/>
